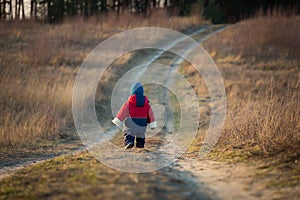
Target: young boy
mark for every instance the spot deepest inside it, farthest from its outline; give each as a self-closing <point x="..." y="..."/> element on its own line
<point x="137" y="113"/>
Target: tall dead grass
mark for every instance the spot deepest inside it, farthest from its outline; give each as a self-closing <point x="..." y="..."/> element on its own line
<point x="38" y="66"/>
<point x="270" y="37"/>
<point x="259" y="60"/>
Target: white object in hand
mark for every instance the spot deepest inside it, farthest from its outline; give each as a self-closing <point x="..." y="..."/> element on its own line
<point x="153" y="125"/>
<point x="118" y="122"/>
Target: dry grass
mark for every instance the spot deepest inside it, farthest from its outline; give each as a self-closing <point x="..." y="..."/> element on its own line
<point x="267" y="38"/>
<point x="259" y="60"/>
<point x="38" y="66"/>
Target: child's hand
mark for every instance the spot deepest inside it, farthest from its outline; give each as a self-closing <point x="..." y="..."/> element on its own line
<point x="153" y="125"/>
<point x="117" y="122"/>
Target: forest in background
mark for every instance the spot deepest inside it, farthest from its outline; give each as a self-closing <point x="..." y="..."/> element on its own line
<point x="218" y="11"/>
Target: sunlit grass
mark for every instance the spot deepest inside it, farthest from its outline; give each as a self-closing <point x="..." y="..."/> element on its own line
<point x="259" y="61"/>
<point x="38" y="68"/>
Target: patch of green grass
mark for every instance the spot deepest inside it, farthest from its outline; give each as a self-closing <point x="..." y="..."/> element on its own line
<point x="83" y="177"/>
<point x="62" y="175"/>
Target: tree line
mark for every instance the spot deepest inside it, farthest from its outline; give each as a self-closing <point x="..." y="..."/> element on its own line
<point x="57" y="9"/>
<point x="219" y="11"/>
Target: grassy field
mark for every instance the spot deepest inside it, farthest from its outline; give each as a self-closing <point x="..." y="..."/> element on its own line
<point x="259" y="61"/>
<point x="38" y="67"/>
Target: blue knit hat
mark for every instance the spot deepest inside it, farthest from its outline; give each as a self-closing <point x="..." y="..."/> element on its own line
<point x="137" y="89"/>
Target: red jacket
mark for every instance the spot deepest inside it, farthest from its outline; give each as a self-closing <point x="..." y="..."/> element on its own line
<point x="137" y="113"/>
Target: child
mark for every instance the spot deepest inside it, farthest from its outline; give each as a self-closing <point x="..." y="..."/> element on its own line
<point x="137" y="113"/>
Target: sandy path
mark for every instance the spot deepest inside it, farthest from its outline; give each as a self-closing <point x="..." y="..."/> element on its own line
<point x="225" y="180"/>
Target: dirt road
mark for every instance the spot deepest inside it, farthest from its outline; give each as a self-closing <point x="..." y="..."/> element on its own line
<point x="188" y="177"/>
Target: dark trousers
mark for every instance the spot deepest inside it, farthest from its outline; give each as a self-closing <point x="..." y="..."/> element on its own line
<point x="129" y="139"/>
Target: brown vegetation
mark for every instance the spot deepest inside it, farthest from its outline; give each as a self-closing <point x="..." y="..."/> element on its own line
<point x="259" y="60"/>
<point x="38" y="67"/>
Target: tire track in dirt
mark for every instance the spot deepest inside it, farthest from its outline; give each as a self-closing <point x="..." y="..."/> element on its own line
<point x="176" y="170"/>
<point x="157" y="156"/>
<point x="152" y="157"/>
<point x="197" y="179"/>
<point x="7" y="168"/>
<point x="222" y="180"/>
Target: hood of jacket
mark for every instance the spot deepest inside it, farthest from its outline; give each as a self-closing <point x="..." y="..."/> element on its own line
<point x="138" y="100"/>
